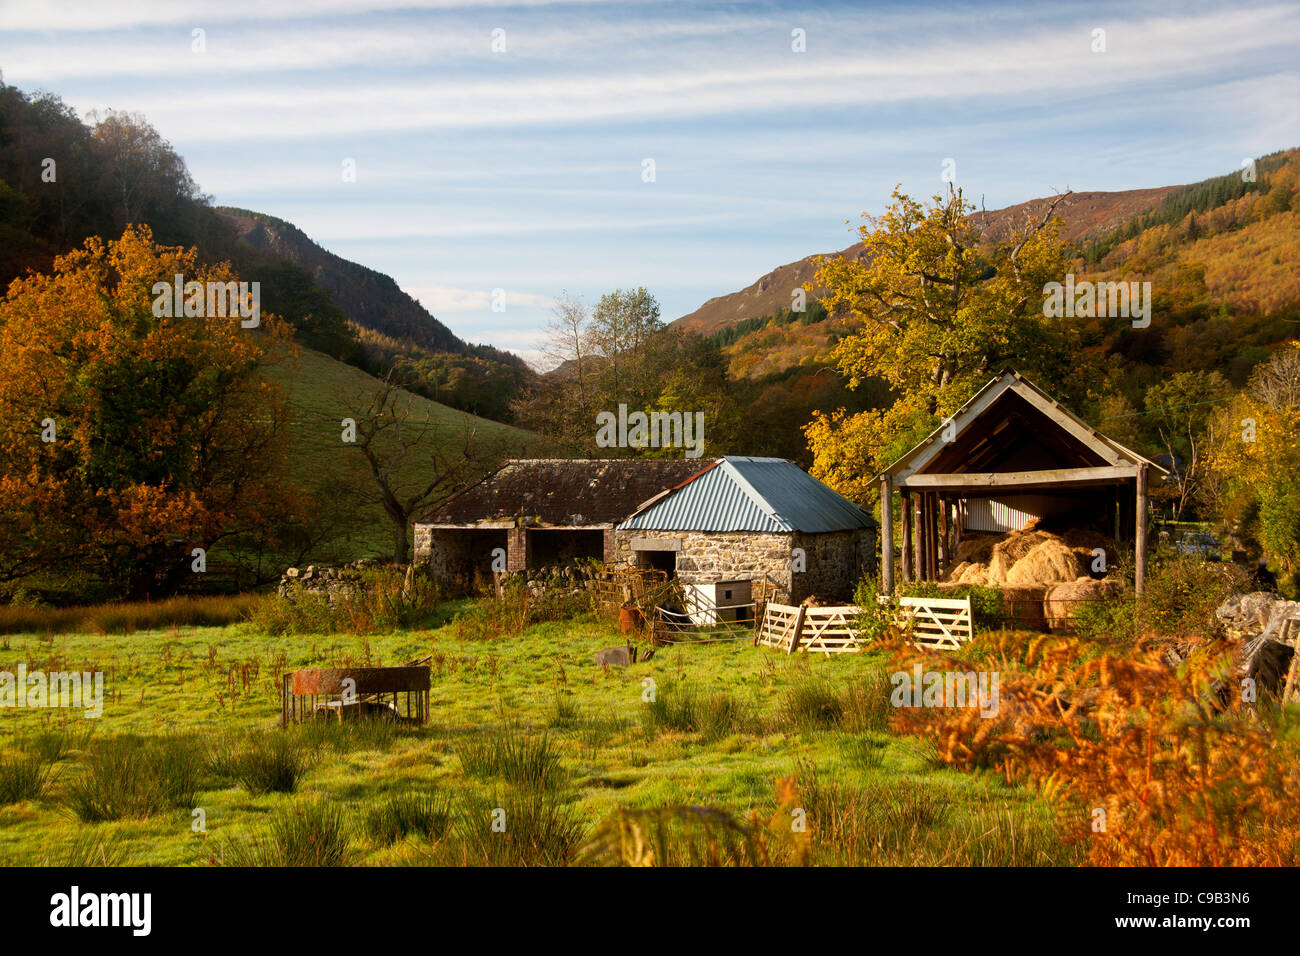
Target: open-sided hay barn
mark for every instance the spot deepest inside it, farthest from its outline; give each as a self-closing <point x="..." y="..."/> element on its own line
<point x="541" y="512"/>
<point x="1011" y="458"/>
<point x="740" y="520"/>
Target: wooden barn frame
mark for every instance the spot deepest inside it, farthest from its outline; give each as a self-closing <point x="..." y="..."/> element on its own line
<point x="1010" y="438"/>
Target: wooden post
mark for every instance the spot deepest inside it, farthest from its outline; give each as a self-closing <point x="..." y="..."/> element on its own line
<point x="798" y="630"/>
<point x="908" y="564"/>
<point x="1140" y="536"/>
<point x="931" y="537"/>
<point x="886" y="536"/>
<point x="944" y="546"/>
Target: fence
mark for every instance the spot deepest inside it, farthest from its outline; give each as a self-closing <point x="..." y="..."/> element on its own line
<point x="930" y="622"/>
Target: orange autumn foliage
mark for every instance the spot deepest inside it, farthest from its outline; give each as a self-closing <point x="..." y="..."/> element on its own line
<point x="165" y="436"/>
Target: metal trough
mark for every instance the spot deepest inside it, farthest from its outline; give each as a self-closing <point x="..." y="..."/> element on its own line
<point x="356" y="692"/>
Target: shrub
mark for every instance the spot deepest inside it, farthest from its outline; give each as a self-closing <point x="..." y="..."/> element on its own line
<point x="1185" y="772"/>
<point x="1182" y="594"/>
<point x="380" y="600"/>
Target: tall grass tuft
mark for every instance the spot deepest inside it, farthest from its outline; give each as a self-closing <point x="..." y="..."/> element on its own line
<point x="529" y="762"/>
<point x="130" y="776"/>
<point x="270" y="763"/>
<point x="424" y="814"/>
<point x="23" y="776"/>
<point x="679" y="708"/>
<point x="129" y="617"/>
<point x="540" y="829"/>
<point x="312" y="833"/>
<point x="812" y="704"/>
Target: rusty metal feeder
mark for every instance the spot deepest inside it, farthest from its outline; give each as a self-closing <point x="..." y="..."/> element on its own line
<point x="355" y="692"/>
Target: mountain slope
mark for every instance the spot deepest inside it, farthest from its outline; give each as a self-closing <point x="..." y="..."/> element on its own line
<point x="370" y="299"/>
<point x="1085" y="214"/>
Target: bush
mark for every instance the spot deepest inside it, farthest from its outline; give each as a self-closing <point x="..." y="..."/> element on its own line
<point x="1182" y="594"/>
<point x="380" y="600"/>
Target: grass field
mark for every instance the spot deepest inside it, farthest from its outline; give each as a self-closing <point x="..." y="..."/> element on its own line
<point x="319" y="390"/>
<point x="527" y="724"/>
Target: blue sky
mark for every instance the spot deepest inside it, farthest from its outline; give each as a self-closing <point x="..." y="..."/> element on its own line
<point x="522" y="170"/>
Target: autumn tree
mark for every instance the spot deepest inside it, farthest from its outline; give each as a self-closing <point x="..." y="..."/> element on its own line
<point x="1253" y="458"/>
<point x="620" y="352"/>
<point x="936" y="312"/>
<point x="410" y="460"/>
<point x="1178" y="410"/>
<point x="127" y="438"/>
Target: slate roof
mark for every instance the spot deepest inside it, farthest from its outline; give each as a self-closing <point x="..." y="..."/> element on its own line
<point x="564" y="492"/>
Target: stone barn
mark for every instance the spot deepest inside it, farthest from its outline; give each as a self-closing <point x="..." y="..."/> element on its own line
<point x="541" y="512"/>
<point x="742" y="520"/>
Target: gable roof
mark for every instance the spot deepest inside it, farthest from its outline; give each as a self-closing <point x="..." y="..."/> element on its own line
<point x="563" y="492"/>
<point x="749" y="494"/>
<point x="1011" y="393"/>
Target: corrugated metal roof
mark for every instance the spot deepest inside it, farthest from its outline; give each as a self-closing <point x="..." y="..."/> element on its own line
<point x="751" y="494"/>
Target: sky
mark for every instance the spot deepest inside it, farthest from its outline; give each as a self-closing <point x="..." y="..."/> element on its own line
<point x="540" y="147"/>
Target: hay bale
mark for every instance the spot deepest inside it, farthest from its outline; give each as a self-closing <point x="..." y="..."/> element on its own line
<point x="1062" y="601"/>
<point x="1028" y="557"/>
<point x="1022" y="607"/>
<point x="1047" y="562"/>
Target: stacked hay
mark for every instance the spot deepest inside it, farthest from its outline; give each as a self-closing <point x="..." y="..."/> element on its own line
<point x="1043" y="576"/>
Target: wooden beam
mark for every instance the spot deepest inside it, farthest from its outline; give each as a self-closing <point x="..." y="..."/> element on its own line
<point x="1006" y="479"/>
<point x="1140" y="537"/>
<point x="945" y="545"/>
<point x="908" y="564"/>
<point x="886" y="536"/>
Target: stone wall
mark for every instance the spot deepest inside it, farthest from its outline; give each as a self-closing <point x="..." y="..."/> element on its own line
<point x="833" y="561"/>
<point x="458" y="554"/>
<point x="719" y="556"/>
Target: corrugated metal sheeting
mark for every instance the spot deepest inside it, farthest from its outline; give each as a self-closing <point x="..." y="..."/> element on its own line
<point x="1013" y="512"/>
<point x="752" y="494"/>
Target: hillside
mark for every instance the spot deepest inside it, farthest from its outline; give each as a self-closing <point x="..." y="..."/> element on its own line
<point x="369" y="298"/>
<point x="1084" y="214"/>
<point x="319" y="389"/>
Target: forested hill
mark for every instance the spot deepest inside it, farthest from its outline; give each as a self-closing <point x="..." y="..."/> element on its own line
<point x="63" y="180"/>
<point x="370" y="299"/>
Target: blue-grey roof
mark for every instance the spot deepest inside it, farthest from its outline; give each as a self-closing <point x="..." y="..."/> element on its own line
<point x="750" y="494"/>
